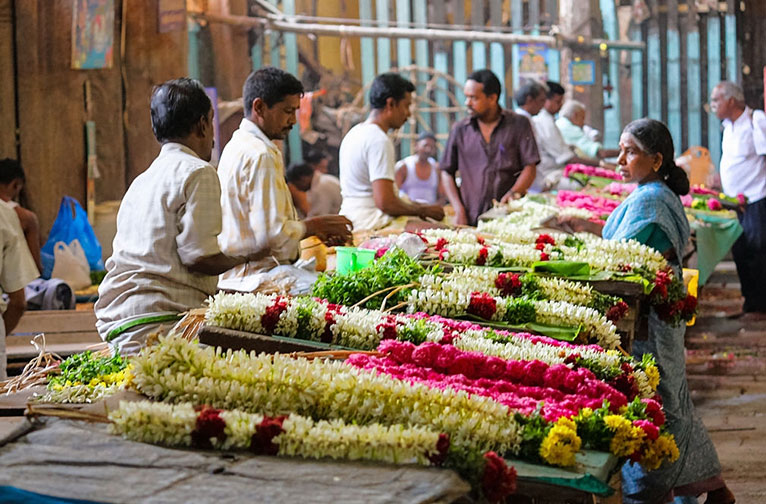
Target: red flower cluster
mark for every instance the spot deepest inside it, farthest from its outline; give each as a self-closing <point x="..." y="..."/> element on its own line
<point x="625" y="268"/>
<point x="442" y="447"/>
<point x="498" y="480"/>
<point x="261" y="443"/>
<point x="387" y="328"/>
<point x="329" y="321"/>
<point x="661" y="283"/>
<point x="481" y="240"/>
<point x="441" y="243"/>
<point x="209" y="425"/>
<point x="270" y="317"/>
<point x="654" y="411"/>
<point x="482" y="305"/>
<point x="625" y="382"/>
<point x="380" y="252"/>
<point x="617" y="312"/>
<point x="481" y="260"/>
<point x="543" y="240"/>
<point x="508" y="283"/>
<point x="544" y="256"/>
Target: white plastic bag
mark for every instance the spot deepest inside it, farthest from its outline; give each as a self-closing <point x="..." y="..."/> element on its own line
<point x="71" y="264"/>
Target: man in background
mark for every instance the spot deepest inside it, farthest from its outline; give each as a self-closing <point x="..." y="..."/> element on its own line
<point x="743" y="171"/>
<point x="493" y="149"/>
<point x="12" y="180"/>
<point x="324" y="196"/>
<point x="417" y="175"/>
<point x="571" y="122"/>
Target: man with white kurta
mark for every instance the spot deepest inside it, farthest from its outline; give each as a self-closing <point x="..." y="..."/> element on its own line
<point x="166" y="257"/>
<point x="743" y="171"/>
<point x="257" y="206"/>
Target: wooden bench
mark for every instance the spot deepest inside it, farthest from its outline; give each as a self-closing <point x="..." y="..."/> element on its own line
<point x="66" y="332"/>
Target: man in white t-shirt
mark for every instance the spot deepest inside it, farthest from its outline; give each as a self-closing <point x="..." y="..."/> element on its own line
<point x="743" y="171"/>
<point x="555" y="154"/>
<point x="17" y="269"/>
<point x="417" y="176"/>
<point x="367" y="161"/>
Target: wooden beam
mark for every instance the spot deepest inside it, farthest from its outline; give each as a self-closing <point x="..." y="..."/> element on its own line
<point x="404" y="57"/>
<point x="654" y="86"/>
<point x="693" y="79"/>
<point x="367" y="47"/>
<point x="478" y="49"/>
<point x="420" y="17"/>
<point x="713" y="78"/>
<point x="554" y="57"/>
<point x="517" y="23"/>
<point x="732" y="51"/>
<point x="459" y="52"/>
<point x="384" y="44"/>
<point x="636" y="76"/>
<point x="612" y="123"/>
<point x="496" y="50"/>
<point x="7" y="82"/>
<point x="291" y="65"/>
<point x="441" y="64"/>
<point x="674" y="76"/>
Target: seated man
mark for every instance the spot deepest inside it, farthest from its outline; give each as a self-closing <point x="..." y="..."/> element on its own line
<point x="324" y="195"/>
<point x="258" y="210"/>
<point x="571" y="122"/>
<point x="555" y="154"/>
<point x="530" y="98"/>
<point x="367" y="160"/>
<point x="12" y="180"/>
<point x="17" y="269"/>
<point x="418" y="176"/>
<point x="299" y="177"/>
<point x="166" y="257"/>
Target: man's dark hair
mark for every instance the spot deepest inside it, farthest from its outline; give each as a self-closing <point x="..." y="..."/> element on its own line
<point x="555" y="89"/>
<point x="530" y="89"/>
<point x="271" y="85"/>
<point x="389" y="85"/>
<point x="315" y="156"/>
<point x="177" y="106"/>
<point x="487" y="79"/>
<point x="425" y="135"/>
<point x="297" y="171"/>
<point x="11" y="170"/>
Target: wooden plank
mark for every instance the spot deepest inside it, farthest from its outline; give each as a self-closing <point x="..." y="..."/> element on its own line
<point x="367" y="47"/>
<point x="151" y="58"/>
<point x="420" y="17"/>
<point x="654" y="86"/>
<point x="713" y="78"/>
<point x="674" y="76"/>
<point x="693" y="79"/>
<point x="612" y="123"/>
<point x="496" y="50"/>
<point x="732" y="52"/>
<point x="478" y="49"/>
<point x="55" y="321"/>
<point x="517" y="23"/>
<point x="384" y="44"/>
<point x="441" y="64"/>
<point x="52" y="149"/>
<point x="459" y="52"/>
<point x="554" y="57"/>
<point x="291" y="65"/>
<point x="228" y="74"/>
<point x="636" y="77"/>
<point x="7" y="83"/>
<point x="275" y="58"/>
<point x="404" y="58"/>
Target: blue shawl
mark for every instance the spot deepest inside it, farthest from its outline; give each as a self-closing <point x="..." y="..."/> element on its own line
<point x="650" y="203"/>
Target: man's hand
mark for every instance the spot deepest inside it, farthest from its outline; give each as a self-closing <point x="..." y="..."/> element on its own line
<point x="461" y="219"/>
<point x="331" y="229"/>
<point x="510" y="195"/>
<point x="434" y="212"/>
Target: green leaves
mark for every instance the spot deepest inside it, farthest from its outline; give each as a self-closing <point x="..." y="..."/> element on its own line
<point x="84" y="367"/>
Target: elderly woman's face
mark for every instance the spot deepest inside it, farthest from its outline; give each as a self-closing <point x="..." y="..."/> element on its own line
<point x="634" y="164"/>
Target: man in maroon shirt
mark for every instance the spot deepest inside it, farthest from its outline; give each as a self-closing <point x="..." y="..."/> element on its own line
<point x="494" y="150"/>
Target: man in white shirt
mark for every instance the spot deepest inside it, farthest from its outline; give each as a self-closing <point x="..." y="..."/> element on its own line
<point x="571" y="123"/>
<point x="258" y="210"/>
<point x="17" y="269"/>
<point x="166" y="256"/>
<point x="324" y="197"/>
<point x="743" y="171"/>
<point x="555" y="154"/>
<point x="530" y="99"/>
<point x="367" y="159"/>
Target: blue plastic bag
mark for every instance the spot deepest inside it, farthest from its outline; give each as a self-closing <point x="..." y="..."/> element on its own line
<point x="72" y="223"/>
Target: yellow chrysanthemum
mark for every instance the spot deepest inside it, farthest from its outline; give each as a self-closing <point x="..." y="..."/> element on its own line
<point x="586" y="413"/>
<point x="627" y="441"/>
<point x="560" y="446"/>
<point x="656" y="452"/>
<point x="617" y="423"/>
<point x="567" y="422"/>
<point x="653" y="374"/>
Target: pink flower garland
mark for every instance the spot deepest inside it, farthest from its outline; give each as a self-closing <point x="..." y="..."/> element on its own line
<point x="591" y="171"/>
<point x="598" y="206"/>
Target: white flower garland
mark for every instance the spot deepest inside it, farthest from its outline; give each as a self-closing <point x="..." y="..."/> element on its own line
<point x="177" y="370"/>
<point x="561" y="313"/>
<point x="172" y="425"/>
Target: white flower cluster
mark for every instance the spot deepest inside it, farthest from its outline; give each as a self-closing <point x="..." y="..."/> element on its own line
<point x="558" y="289"/>
<point x="79" y="394"/>
<point x="177" y="370"/>
<point x="172" y="425"/>
<point x="611" y="255"/>
<point x="595" y="325"/>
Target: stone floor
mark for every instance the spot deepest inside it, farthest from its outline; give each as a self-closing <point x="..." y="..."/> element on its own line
<point x="726" y="360"/>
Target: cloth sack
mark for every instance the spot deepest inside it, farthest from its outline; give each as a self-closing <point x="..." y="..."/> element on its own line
<point x="71" y="265"/>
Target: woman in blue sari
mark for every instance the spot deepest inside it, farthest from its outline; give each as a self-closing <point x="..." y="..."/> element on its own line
<point x="653" y="215"/>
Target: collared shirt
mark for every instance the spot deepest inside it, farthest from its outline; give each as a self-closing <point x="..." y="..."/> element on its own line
<point x="489" y="170"/>
<point x="324" y="196"/>
<point x="576" y="137"/>
<point x="170" y="217"/>
<point x="554" y="151"/>
<point x="743" y="165"/>
<point x="257" y="207"/>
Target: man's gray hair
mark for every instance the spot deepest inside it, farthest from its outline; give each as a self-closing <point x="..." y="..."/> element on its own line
<point x="570" y="108"/>
<point x="732" y="90"/>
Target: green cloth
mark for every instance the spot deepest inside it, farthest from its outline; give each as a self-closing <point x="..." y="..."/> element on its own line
<point x="574" y="135"/>
<point x="591" y="473"/>
<point x="715" y="236"/>
<point x="653" y="236"/>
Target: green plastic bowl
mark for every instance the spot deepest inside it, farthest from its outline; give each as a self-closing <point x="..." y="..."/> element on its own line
<point x="350" y="259"/>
